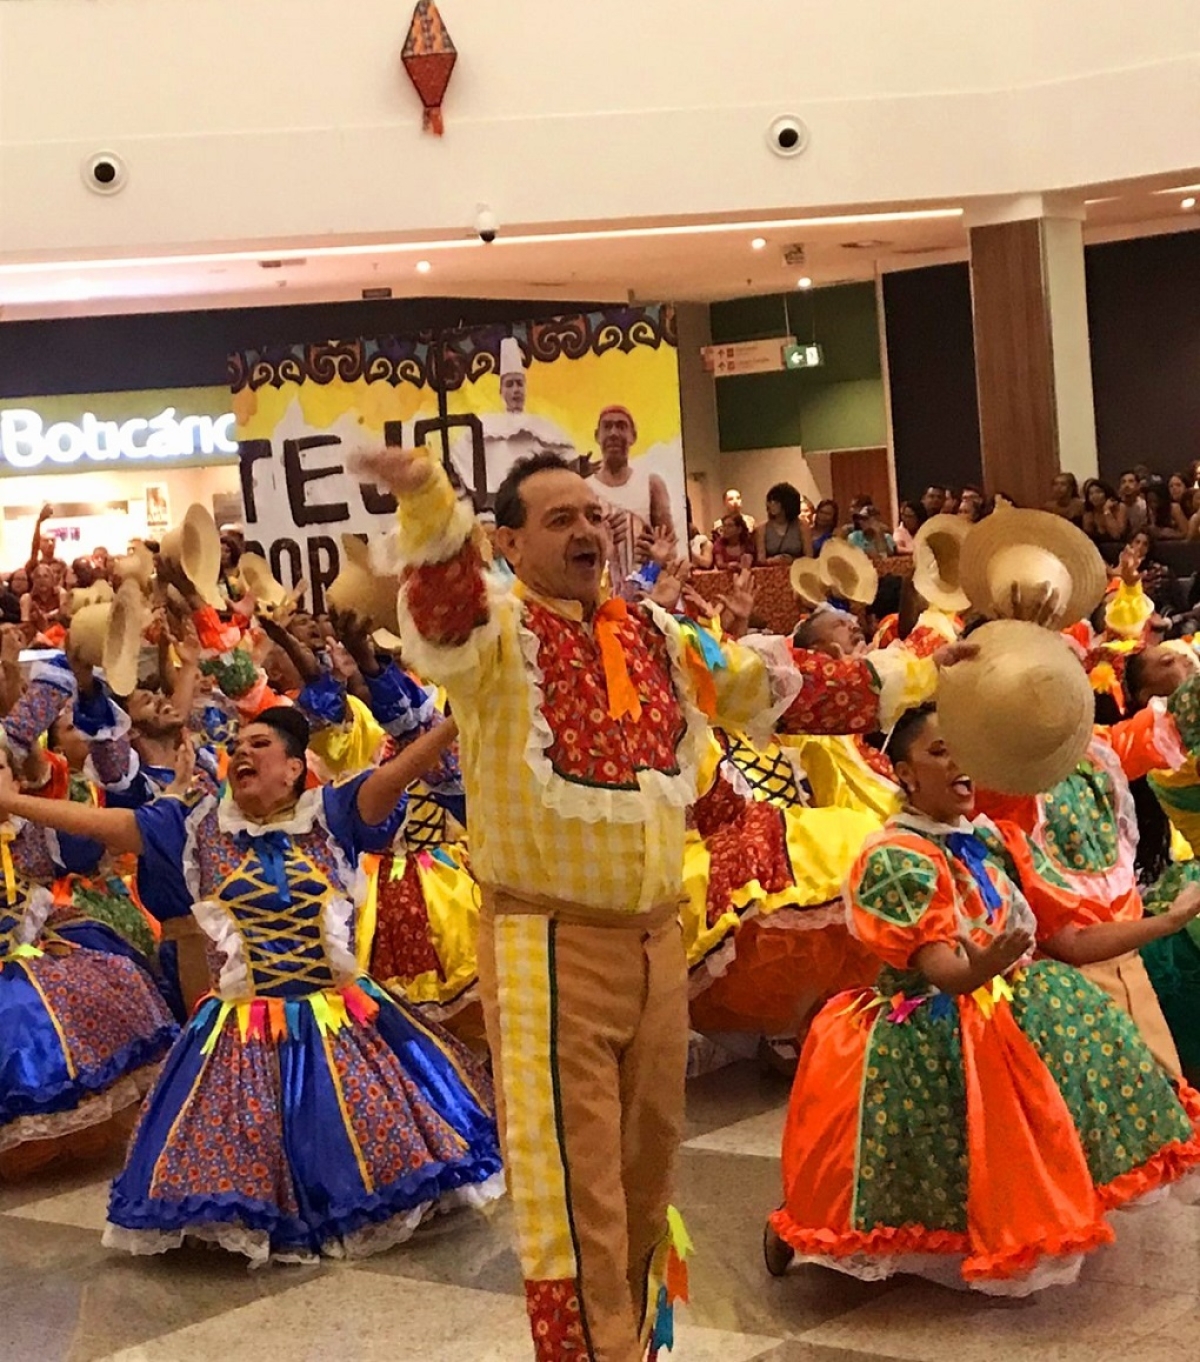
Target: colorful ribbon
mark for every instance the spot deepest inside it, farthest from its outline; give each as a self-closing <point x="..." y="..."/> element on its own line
<point x="972" y="851"/>
<point x="623" y="698"/>
<point x="270" y="848"/>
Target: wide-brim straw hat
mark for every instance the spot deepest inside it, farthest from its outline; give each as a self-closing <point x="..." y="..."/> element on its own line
<point x="269" y="593"/>
<point x="1018" y="717"/>
<point x="88" y="631"/>
<point x="196" y="547"/>
<point x="136" y="566"/>
<point x="848" y="572"/>
<point x="937" y="562"/>
<point x="127" y="619"/>
<point x="1032" y="549"/>
<point x="364" y="586"/>
<point x="806" y="581"/>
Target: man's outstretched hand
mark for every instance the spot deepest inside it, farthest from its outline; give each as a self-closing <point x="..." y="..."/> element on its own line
<point x="399" y="470"/>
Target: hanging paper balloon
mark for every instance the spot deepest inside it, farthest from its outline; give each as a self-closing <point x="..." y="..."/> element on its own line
<point x="429" y="58"/>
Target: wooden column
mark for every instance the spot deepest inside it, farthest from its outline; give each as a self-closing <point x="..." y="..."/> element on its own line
<point x="1034" y="382"/>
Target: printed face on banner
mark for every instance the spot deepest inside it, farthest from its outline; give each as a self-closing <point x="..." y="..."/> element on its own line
<point x="599" y="389"/>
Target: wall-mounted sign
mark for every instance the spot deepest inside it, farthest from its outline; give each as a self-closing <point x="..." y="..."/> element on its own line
<point x="745" y="357"/>
<point x="803" y="356"/>
<point x="99" y="431"/>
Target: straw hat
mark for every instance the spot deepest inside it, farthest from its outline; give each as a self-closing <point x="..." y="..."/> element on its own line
<point x="364" y="586"/>
<point x="136" y="566"/>
<point x="806" y="580"/>
<point x="937" y="574"/>
<point x="269" y="593"/>
<point x="196" y="547"/>
<point x="848" y="572"/>
<point x="1032" y="549"/>
<point x="1017" y="718"/>
<point x="127" y="617"/>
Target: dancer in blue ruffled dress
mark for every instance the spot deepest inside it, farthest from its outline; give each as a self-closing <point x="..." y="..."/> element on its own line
<point x="303" y="1111"/>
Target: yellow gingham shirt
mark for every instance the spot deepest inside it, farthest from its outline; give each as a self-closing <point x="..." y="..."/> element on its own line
<point x="525" y="833"/>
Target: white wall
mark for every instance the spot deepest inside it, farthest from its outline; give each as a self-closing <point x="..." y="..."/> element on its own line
<point x="752" y="471"/>
<point x="293" y="118"/>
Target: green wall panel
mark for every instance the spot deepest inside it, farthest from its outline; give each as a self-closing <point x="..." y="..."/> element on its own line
<point x="838" y="406"/>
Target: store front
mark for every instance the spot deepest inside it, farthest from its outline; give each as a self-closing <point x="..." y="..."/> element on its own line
<point x="114" y="466"/>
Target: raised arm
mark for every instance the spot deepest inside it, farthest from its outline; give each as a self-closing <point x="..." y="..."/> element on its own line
<point x="383" y="789"/>
<point x="117" y="829"/>
<point x="443" y="594"/>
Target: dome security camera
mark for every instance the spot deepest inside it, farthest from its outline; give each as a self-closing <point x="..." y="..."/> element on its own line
<point x="787" y="135"/>
<point x="487" y="228"/>
<point x="105" y="173"/>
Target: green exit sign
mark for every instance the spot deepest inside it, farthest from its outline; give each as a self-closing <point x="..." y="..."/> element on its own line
<point x="803" y="356"/>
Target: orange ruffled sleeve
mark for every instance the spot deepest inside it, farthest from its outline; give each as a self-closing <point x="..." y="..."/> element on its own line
<point x="901" y="897"/>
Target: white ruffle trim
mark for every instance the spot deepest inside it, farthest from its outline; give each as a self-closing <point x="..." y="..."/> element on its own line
<point x="309" y="810"/>
<point x="219" y="926"/>
<point x="586" y="803"/>
<point x="784" y="677"/>
<point x="905" y="681"/>
<point x="125" y="1092"/>
<point x="38" y="907"/>
<point x="255" y="1244"/>
<point x="1167" y="739"/>
<point x="406" y="553"/>
<point x="946" y="1270"/>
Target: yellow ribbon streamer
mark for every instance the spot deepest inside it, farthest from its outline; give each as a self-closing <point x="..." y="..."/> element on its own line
<point x="7" y="837"/>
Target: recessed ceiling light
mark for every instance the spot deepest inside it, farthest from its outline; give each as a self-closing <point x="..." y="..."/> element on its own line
<point x="806" y="282"/>
<point x="423" y="267"/>
<point x="758" y="243"/>
<point x="1189" y="202"/>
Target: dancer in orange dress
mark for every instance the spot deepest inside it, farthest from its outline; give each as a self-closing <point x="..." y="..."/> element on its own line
<point x="972" y="1117"/>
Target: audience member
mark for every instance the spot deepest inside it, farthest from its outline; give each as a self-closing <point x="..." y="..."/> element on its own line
<point x="733" y="506"/>
<point x="733" y="540"/>
<point x="1065" y="499"/>
<point x="933" y="500"/>
<point x="783" y="536"/>
<point x="870" y="534"/>
<point x="907" y="525"/>
<point x="826" y="520"/>
<point x="1105" y="519"/>
<point x="1129" y="490"/>
<point x="1160" y="519"/>
<point x="1183" y="501"/>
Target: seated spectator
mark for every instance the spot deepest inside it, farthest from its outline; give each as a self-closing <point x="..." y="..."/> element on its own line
<point x="42" y="604"/>
<point x="1183" y="501"/>
<point x="906" y="527"/>
<point x="827" y="520"/>
<point x="970" y="504"/>
<point x="1159" y="519"/>
<point x="933" y="500"/>
<point x="734" y="539"/>
<point x="870" y="534"/>
<point x="1129" y="492"/>
<point x="82" y="573"/>
<point x="1105" y="519"/>
<point x="103" y="563"/>
<point x="1065" y="499"/>
<point x="783" y="536"/>
<point x="10" y="603"/>
<point x="1158" y="581"/>
<point x="733" y="506"/>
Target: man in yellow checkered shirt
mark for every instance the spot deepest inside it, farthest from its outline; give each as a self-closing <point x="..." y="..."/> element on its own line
<point x="580" y="742"/>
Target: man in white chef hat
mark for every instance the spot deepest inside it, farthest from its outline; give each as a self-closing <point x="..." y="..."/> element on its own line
<point x="510" y="434"/>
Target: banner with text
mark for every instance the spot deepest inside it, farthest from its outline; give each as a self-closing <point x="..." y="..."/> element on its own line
<point x="601" y="389"/>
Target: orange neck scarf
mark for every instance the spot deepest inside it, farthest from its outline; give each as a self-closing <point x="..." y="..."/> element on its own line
<point x="623" y="698"/>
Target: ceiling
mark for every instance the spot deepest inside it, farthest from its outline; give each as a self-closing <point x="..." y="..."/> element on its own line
<point x="681" y="261"/>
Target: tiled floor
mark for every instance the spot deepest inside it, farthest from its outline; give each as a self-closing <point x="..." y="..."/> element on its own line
<point x="453" y="1293"/>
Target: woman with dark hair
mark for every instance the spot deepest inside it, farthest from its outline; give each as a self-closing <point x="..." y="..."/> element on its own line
<point x="1183" y="501"/>
<point x="1160" y="520"/>
<point x="1065" y="499"/>
<point x="734" y="540"/>
<point x="783" y="536"/>
<point x="827" y="520"/>
<point x="945" y="1122"/>
<point x="1105" y="519"/>
<point x="304" y="1111"/>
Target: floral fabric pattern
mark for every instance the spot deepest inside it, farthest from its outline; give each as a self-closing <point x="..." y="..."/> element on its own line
<point x="589" y="746"/>
<point x="555" y="1318"/>
<point x="896" y="885"/>
<point x="403" y="946"/>
<point x="1081" y="824"/>
<point x="840" y="696"/>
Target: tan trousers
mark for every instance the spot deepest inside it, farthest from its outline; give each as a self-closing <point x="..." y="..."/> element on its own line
<point x="1126" y="982"/>
<point x="588" y="1031"/>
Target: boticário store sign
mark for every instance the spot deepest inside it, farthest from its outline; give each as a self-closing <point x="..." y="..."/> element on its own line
<point x="91" y="432"/>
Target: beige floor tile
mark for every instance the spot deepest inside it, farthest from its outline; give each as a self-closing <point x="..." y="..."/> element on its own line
<point x="1158" y="1247"/>
<point x="757" y="1135"/>
<point x="84" y="1207"/>
<point x="1080" y="1323"/>
<point x="372" y="1319"/>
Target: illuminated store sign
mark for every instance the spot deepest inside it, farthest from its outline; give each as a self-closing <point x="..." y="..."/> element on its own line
<point x="27" y="442"/>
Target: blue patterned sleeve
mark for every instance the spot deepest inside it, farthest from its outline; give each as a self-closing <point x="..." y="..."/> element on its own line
<point x="348" y="829"/>
<point x="401" y="707"/>
<point x="161" y="885"/>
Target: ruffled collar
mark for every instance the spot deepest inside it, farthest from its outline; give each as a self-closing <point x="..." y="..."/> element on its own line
<point x="297" y="821"/>
<point x="914" y="821"/>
